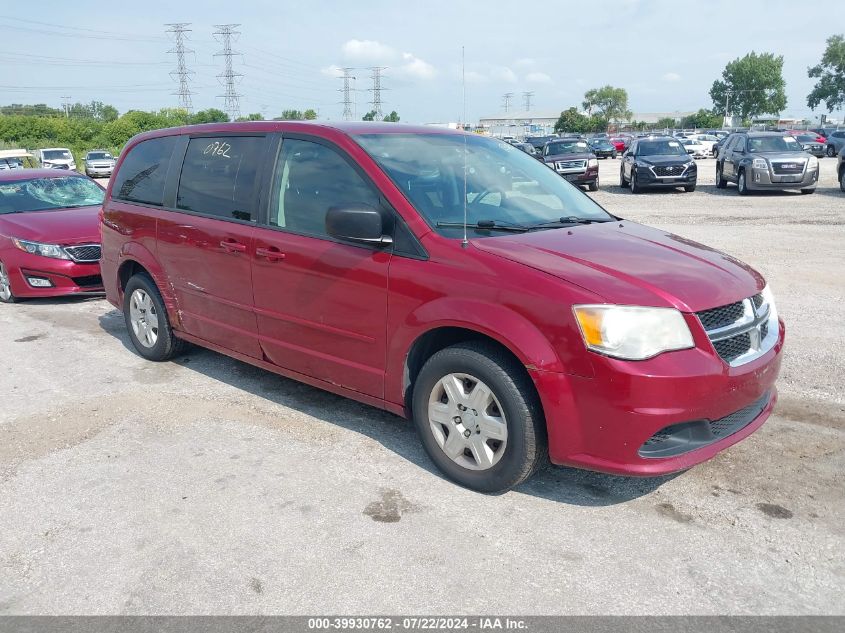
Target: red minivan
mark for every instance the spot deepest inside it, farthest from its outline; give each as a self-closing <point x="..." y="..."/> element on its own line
<point x="445" y="277"/>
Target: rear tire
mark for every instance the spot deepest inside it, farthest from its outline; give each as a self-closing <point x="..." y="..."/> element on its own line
<point x="147" y="321"/>
<point x="6" y="294"/>
<point x="489" y="450"/>
<point x="721" y="183"/>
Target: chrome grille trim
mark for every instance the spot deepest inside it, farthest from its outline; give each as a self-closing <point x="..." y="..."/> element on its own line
<point x="750" y="336"/>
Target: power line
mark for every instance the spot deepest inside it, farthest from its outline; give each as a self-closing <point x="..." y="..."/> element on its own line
<point x="506" y="101"/>
<point x="179" y="31"/>
<point x="231" y="98"/>
<point x="376" y="90"/>
<point x="526" y="96"/>
<point x="347" y="90"/>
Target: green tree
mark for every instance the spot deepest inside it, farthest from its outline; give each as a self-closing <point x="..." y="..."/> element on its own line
<point x="310" y="114"/>
<point x="370" y="116"/>
<point x="830" y="73"/>
<point x="393" y="117"/>
<point x="572" y="121"/>
<point x="290" y="115"/>
<point x="665" y="122"/>
<point x="751" y="85"/>
<point x="38" y="109"/>
<point x="607" y="102"/>
<point x="702" y="119"/>
<point x="212" y="115"/>
<point x="255" y="116"/>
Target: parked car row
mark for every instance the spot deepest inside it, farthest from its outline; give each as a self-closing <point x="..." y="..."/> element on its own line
<point x="442" y="276"/>
<point x="97" y="163"/>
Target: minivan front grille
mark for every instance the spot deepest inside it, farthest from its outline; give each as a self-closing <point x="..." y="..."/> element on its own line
<point x="740" y="331"/>
<point x="84" y="253"/>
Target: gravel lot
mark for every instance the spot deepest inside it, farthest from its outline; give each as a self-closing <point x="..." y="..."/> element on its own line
<point x="207" y="486"/>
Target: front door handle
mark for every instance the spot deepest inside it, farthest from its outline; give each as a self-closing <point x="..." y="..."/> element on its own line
<point x="232" y="246"/>
<point x="272" y="253"/>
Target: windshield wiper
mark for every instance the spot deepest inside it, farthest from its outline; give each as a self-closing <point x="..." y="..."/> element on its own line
<point x="565" y="221"/>
<point x="486" y="225"/>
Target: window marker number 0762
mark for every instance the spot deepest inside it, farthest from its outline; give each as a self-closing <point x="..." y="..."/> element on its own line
<point x="217" y="149"/>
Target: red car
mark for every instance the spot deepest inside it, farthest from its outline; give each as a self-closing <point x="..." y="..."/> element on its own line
<point x="445" y="277"/>
<point x="49" y="234"/>
<point x="796" y="133"/>
<point x="620" y="143"/>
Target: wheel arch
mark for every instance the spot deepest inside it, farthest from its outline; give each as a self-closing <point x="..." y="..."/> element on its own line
<point x="135" y="259"/>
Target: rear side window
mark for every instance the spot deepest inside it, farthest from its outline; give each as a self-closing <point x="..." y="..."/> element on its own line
<point x="143" y="173"/>
<point x="219" y="176"/>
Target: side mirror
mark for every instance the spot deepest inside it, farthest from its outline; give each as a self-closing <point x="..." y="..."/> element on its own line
<point x="359" y="223"/>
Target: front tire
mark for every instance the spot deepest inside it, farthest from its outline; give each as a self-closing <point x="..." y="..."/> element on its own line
<point x="741" y="184"/>
<point x="622" y="182"/>
<point x="147" y="321"/>
<point x="594" y="186"/>
<point x="635" y="186"/>
<point x="6" y="294"/>
<point x="689" y="188"/>
<point x="478" y="417"/>
<point x="807" y="192"/>
<point x="842" y="181"/>
<point x="831" y="151"/>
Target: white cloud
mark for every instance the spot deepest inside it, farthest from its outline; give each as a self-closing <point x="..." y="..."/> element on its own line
<point x="332" y="71"/>
<point x="538" y="78"/>
<point x="503" y="73"/>
<point x="415" y="68"/>
<point x="525" y="61"/>
<point x="671" y="77"/>
<point x="473" y="76"/>
<point x="368" y="51"/>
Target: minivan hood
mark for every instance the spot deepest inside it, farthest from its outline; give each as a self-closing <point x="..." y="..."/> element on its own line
<point x="631" y="264"/>
<point x="60" y="226"/>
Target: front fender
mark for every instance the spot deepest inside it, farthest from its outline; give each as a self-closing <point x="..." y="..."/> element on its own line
<point x="498" y="322"/>
<point x="135" y="252"/>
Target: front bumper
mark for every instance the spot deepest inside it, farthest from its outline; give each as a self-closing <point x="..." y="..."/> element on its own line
<point x="647" y="178"/>
<point x="767" y="179"/>
<point x="65" y="277"/>
<point x="601" y="423"/>
<point x="99" y="171"/>
<point x="580" y="178"/>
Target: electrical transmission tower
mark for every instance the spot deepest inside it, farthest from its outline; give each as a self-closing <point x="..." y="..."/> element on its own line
<point x="527" y="97"/>
<point x="231" y="99"/>
<point x="506" y="101"/>
<point x="376" y="90"/>
<point x="179" y="31"/>
<point x="347" y="90"/>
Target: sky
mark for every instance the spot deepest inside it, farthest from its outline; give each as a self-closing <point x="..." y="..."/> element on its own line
<point x="666" y="54"/>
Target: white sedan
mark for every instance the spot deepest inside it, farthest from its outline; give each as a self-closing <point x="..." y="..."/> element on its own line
<point x="708" y="140"/>
<point x="695" y="148"/>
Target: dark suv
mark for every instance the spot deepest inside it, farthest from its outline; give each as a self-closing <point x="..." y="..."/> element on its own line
<point x="841" y="169"/>
<point x="657" y="161"/>
<point x="573" y="159"/>
<point x="766" y="160"/>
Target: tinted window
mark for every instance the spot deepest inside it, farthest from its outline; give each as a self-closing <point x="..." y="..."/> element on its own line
<point x="310" y="179"/>
<point x="660" y="147"/>
<point x="219" y="176"/>
<point x="774" y="144"/>
<point x="142" y="175"/>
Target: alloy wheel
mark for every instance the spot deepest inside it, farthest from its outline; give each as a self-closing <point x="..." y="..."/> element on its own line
<point x="143" y="318"/>
<point x="467" y="421"/>
<point x="5" y="283"/>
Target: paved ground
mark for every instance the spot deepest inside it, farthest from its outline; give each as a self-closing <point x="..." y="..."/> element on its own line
<point x="207" y="486"/>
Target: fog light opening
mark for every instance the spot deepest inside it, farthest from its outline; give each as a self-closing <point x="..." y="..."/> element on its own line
<point x="39" y="282"/>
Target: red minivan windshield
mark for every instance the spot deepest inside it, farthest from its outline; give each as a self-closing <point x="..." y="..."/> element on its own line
<point x="505" y="187"/>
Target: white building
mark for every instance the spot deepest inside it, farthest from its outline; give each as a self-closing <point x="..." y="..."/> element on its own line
<point x="520" y="124"/>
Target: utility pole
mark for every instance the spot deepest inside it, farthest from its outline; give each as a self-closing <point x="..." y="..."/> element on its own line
<point x="182" y="74"/>
<point x="66" y="103"/>
<point x="527" y="97"/>
<point x="376" y="90"/>
<point x="231" y="98"/>
<point x="506" y="101"/>
<point x="347" y="90"/>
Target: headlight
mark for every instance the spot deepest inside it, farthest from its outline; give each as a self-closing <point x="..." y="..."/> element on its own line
<point x="769" y="298"/>
<point x="813" y="163"/>
<point x="760" y="163"/>
<point x="46" y="164"/>
<point x="632" y="332"/>
<point x="37" y="248"/>
<point x="593" y="162"/>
